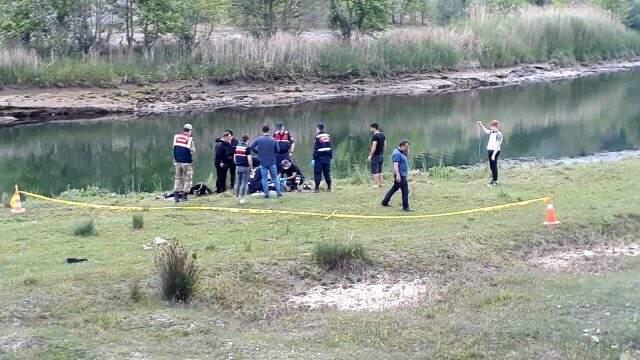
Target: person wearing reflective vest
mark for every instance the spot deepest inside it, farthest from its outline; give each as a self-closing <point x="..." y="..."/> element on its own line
<point x="183" y="149"/>
<point x="322" y="155"/>
<point x="244" y="165"/>
<point x="286" y="144"/>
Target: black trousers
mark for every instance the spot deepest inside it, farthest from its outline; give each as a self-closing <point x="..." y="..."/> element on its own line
<point x="493" y="164"/>
<point x="322" y="168"/>
<point x="403" y="185"/>
<point x="221" y="177"/>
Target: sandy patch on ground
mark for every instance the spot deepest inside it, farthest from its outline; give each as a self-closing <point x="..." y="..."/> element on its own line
<point x="562" y="260"/>
<point x="369" y="297"/>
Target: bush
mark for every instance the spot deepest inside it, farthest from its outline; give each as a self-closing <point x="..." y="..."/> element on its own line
<point x="137" y="221"/>
<point x="135" y="292"/>
<point x="178" y="274"/>
<point x="330" y="255"/>
<point x="85" y="228"/>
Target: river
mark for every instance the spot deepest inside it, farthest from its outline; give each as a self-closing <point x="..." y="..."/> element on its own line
<point x="547" y="120"/>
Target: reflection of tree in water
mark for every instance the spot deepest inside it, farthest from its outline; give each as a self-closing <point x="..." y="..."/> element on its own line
<point x="544" y="120"/>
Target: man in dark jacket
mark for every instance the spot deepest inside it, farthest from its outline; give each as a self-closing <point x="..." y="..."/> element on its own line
<point x="223" y="160"/>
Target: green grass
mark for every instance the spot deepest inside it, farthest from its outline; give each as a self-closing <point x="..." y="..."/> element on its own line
<point x="333" y="254"/>
<point x="85" y="228"/>
<point x="137" y="221"/>
<point x="563" y="35"/>
<point x="490" y="302"/>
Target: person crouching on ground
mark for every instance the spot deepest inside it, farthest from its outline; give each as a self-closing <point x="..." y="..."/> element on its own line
<point x="376" y="154"/>
<point x="291" y="175"/>
<point x="493" y="147"/>
<point x="267" y="149"/>
<point x="400" y="173"/>
<point x="322" y="155"/>
<point x="183" y="149"/>
<point x="244" y="165"/>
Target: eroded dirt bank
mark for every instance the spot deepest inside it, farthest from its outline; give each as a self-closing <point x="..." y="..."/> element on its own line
<point x="43" y="105"/>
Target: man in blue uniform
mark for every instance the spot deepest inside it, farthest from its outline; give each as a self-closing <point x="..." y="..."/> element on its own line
<point x="183" y="149"/>
<point x="322" y="155"/>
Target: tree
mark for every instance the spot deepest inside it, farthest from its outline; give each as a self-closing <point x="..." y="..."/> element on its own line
<point x="363" y="15"/>
<point x="158" y="17"/>
<point x="263" y="18"/>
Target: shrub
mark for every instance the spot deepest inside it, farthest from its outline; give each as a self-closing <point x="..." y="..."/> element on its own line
<point x="137" y="221"/>
<point x="178" y="274"/>
<point x="332" y="254"/>
<point x="85" y="228"/>
<point x="135" y="292"/>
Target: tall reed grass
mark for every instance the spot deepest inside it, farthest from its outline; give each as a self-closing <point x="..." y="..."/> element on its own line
<point x="484" y="39"/>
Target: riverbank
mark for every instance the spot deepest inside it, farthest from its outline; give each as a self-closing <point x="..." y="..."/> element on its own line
<point x="486" y="285"/>
<point x="42" y="105"/>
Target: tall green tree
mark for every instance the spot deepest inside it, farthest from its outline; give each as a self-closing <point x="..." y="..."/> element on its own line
<point x="263" y="18"/>
<point x="363" y="15"/>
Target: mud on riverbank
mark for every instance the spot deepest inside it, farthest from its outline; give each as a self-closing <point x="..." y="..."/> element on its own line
<point x="39" y="106"/>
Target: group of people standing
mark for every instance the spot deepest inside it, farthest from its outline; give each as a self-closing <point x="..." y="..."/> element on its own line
<point x="274" y="160"/>
<point x="268" y="159"/>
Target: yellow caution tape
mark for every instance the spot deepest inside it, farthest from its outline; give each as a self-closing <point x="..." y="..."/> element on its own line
<point x="334" y="214"/>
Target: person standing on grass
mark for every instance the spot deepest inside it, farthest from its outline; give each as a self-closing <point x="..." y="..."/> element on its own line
<point x="493" y="147"/>
<point x="244" y="165"/>
<point x="400" y="173"/>
<point x="376" y="154"/>
<point x="267" y="149"/>
<point x="322" y="155"/>
<point x="223" y="161"/>
<point x="183" y="149"/>
<point x="285" y="143"/>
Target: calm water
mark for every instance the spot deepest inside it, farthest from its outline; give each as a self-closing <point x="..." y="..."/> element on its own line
<point x="568" y="118"/>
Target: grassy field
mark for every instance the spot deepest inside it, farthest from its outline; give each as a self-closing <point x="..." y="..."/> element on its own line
<point x="489" y="299"/>
<point x="562" y="35"/>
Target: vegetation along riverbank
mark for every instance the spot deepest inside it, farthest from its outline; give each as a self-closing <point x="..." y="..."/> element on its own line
<point x="411" y="289"/>
<point x="165" y="73"/>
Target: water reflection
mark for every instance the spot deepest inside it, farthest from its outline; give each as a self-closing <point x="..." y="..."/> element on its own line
<point x="545" y="120"/>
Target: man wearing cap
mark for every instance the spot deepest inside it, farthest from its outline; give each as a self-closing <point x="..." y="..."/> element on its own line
<point x="322" y="155"/>
<point x="286" y="145"/>
<point x="183" y="149"/>
<point x="400" y="173"/>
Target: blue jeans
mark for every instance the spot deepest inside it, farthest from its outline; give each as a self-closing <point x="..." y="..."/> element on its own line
<point x="265" y="170"/>
<point x="242" y="180"/>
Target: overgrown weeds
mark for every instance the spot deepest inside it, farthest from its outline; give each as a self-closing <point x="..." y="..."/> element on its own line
<point x="137" y="221"/>
<point x="178" y="273"/>
<point x="85" y="228"/>
<point x="331" y="255"/>
<point x="135" y="292"/>
<point x="484" y="39"/>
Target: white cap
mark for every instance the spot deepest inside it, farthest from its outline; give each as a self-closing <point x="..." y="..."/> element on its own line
<point x="188" y="127"/>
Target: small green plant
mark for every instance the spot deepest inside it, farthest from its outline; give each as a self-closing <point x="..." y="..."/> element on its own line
<point x="331" y="255"/>
<point x="247" y="246"/>
<point x="135" y="292"/>
<point x="444" y="172"/>
<point x="85" y="228"/>
<point x="137" y="221"/>
<point x="178" y="274"/>
<point x="30" y="280"/>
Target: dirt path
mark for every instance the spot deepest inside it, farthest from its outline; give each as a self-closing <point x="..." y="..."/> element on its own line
<point x="43" y="105"/>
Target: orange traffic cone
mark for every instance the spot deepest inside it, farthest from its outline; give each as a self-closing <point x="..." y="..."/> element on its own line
<point x="551" y="218"/>
<point x="16" y="203"/>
